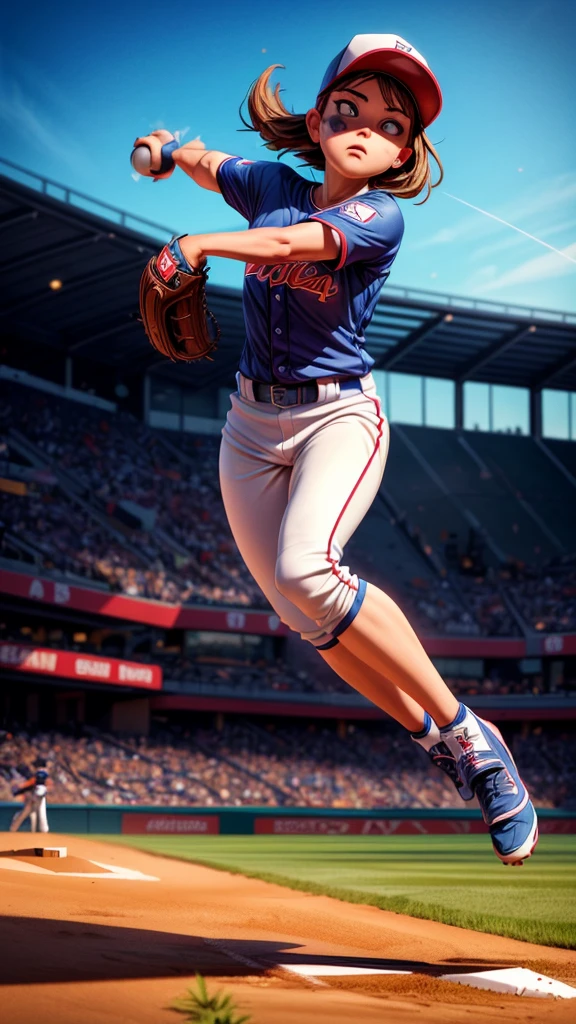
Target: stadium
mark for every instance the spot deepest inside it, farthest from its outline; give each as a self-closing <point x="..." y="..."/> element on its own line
<point x="176" y="713"/>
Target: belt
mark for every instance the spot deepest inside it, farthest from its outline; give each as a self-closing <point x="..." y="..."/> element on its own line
<point x="286" y="395"/>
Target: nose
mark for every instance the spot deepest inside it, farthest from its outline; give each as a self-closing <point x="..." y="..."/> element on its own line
<point x="365" y="132"/>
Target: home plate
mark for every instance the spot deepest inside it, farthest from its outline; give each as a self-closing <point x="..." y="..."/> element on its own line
<point x="518" y="981"/>
<point x="334" y="971"/>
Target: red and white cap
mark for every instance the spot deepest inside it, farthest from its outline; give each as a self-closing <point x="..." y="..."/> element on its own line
<point x="395" y="57"/>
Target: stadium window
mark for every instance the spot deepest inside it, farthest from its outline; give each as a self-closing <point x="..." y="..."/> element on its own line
<point x="223" y="402"/>
<point x="510" y="409"/>
<point x="476" y="406"/>
<point x="406" y="398"/>
<point x="556" y="409"/>
<point x="165" y="405"/>
<point x="197" y="404"/>
<point x="439" y="403"/>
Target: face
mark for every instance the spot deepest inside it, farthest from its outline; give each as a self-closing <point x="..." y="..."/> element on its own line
<point x="359" y="134"/>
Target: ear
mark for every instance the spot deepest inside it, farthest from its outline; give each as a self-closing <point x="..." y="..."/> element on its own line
<point x="402" y="157"/>
<point x="313" y="120"/>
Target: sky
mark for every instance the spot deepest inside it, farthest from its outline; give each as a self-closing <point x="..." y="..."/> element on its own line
<point x="79" y="83"/>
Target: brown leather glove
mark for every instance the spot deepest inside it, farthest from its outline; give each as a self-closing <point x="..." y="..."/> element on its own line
<point x="173" y="307"/>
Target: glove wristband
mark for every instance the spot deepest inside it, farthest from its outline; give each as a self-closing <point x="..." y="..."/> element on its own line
<point x="166" y="158"/>
<point x="176" y="252"/>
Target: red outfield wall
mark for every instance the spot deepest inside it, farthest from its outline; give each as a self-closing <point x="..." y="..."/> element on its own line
<point x="303" y="822"/>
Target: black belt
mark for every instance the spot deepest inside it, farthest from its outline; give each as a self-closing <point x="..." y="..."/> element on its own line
<point x="286" y="395"/>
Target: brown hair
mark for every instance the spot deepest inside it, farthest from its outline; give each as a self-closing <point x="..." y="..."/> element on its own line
<point x="284" y="132"/>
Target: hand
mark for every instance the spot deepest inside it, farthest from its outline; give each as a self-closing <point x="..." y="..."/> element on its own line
<point x="155" y="141"/>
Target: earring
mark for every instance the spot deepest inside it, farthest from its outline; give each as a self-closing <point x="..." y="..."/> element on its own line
<point x="396" y="163"/>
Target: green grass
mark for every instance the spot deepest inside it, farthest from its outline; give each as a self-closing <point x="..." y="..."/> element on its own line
<point x="453" y="879"/>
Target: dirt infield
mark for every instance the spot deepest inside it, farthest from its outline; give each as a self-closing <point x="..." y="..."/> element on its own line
<point x="110" y="949"/>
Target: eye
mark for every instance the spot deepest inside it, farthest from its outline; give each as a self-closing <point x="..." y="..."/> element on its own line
<point x="346" y="108"/>
<point x="392" y="127"/>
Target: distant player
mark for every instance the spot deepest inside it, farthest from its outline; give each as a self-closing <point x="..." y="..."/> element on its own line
<point x="305" y="443"/>
<point x="34" y="792"/>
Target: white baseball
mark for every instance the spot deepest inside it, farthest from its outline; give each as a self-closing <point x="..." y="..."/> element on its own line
<point x="141" y="159"/>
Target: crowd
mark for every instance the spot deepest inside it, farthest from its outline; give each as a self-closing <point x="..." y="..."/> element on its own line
<point x="144" y="517"/>
<point x="180" y="551"/>
<point x="548" y="602"/>
<point x="276" y="765"/>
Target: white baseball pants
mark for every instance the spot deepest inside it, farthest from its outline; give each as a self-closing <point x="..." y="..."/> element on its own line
<point x="296" y="483"/>
<point x="34" y="808"/>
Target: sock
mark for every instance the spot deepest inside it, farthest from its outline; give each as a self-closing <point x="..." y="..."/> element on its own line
<point x="429" y="736"/>
<point x="464" y="732"/>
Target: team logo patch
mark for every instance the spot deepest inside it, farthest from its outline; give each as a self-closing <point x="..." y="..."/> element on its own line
<point x="358" y="211"/>
<point x="166" y="264"/>
<point x="402" y="46"/>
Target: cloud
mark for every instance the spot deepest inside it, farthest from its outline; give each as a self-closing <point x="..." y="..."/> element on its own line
<point x="548" y="266"/>
<point x="24" y="101"/>
<point x="558" y="193"/>
<point x="512" y="241"/>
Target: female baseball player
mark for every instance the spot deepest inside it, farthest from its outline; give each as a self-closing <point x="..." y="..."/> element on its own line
<point x="305" y="442"/>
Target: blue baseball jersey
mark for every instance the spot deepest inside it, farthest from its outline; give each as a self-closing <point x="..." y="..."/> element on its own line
<point x="305" y="321"/>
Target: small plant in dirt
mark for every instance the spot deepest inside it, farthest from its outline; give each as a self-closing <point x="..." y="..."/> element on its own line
<point x="201" y="1008"/>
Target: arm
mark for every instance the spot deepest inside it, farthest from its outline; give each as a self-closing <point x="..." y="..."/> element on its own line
<point x="309" y="241"/>
<point x="199" y="163"/>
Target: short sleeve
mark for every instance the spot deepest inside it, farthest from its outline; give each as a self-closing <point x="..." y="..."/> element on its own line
<point x="370" y="228"/>
<point x="241" y="183"/>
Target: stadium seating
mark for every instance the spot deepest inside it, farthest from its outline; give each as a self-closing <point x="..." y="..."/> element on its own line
<point x="271" y="764"/>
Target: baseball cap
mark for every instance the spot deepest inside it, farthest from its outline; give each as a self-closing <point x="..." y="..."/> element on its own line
<point x="394" y="56"/>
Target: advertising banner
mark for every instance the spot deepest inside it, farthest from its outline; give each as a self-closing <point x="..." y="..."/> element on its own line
<point x="170" y="824"/>
<point x="324" y="826"/>
<point x="90" y="668"/>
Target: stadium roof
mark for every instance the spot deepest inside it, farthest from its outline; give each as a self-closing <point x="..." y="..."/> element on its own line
<point x="50" y="233"/>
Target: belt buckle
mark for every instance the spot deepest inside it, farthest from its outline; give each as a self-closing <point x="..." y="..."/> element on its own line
<point x="278" y="391"/>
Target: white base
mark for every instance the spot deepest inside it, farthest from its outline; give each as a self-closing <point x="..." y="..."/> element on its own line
<point x="518" y="981"/>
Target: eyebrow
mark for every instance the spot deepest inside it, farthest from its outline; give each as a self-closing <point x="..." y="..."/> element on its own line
<point x="390" y="110"/>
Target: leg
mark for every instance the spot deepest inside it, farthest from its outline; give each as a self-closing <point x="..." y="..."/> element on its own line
<point x="381" y="636"/>
<point x="20" y="816"/>
<point x="255" y="480"/>
<point x="338" y="467"/>
<point x="42" y="816"/>
<point x="375" y="687"/>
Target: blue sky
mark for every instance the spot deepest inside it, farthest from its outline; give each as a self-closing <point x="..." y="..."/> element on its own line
<point x="78" y="84"/>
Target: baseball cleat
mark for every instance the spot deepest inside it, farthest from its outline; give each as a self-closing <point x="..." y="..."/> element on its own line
<point x="486" y="765"/>
<point x="442" y="757"/>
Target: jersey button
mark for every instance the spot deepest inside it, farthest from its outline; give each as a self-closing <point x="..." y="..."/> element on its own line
<point x="281" y="369"/>
<point x="277" y="330"/>
<point x="277" y="297"/>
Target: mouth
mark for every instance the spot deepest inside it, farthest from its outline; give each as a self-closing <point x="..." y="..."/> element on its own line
<point x="357" y="149"/>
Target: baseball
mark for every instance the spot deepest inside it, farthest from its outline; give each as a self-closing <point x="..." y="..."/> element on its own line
<point x="140" y="159"/>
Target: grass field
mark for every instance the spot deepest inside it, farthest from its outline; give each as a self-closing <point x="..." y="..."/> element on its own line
<point x="453" y="879"/>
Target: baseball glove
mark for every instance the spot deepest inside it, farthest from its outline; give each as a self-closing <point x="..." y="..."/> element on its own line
<point x="173" y="307"/>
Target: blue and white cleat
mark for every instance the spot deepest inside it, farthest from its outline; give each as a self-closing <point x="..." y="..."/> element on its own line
<point x="441" y="756"/>
<point x="487" y="767"/>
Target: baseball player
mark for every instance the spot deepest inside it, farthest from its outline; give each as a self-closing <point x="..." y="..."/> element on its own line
<point x="305" y="442"/>
<point x="34" y="792"/>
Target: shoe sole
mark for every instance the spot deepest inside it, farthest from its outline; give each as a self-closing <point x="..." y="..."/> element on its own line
<point x="518" y="856"/>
